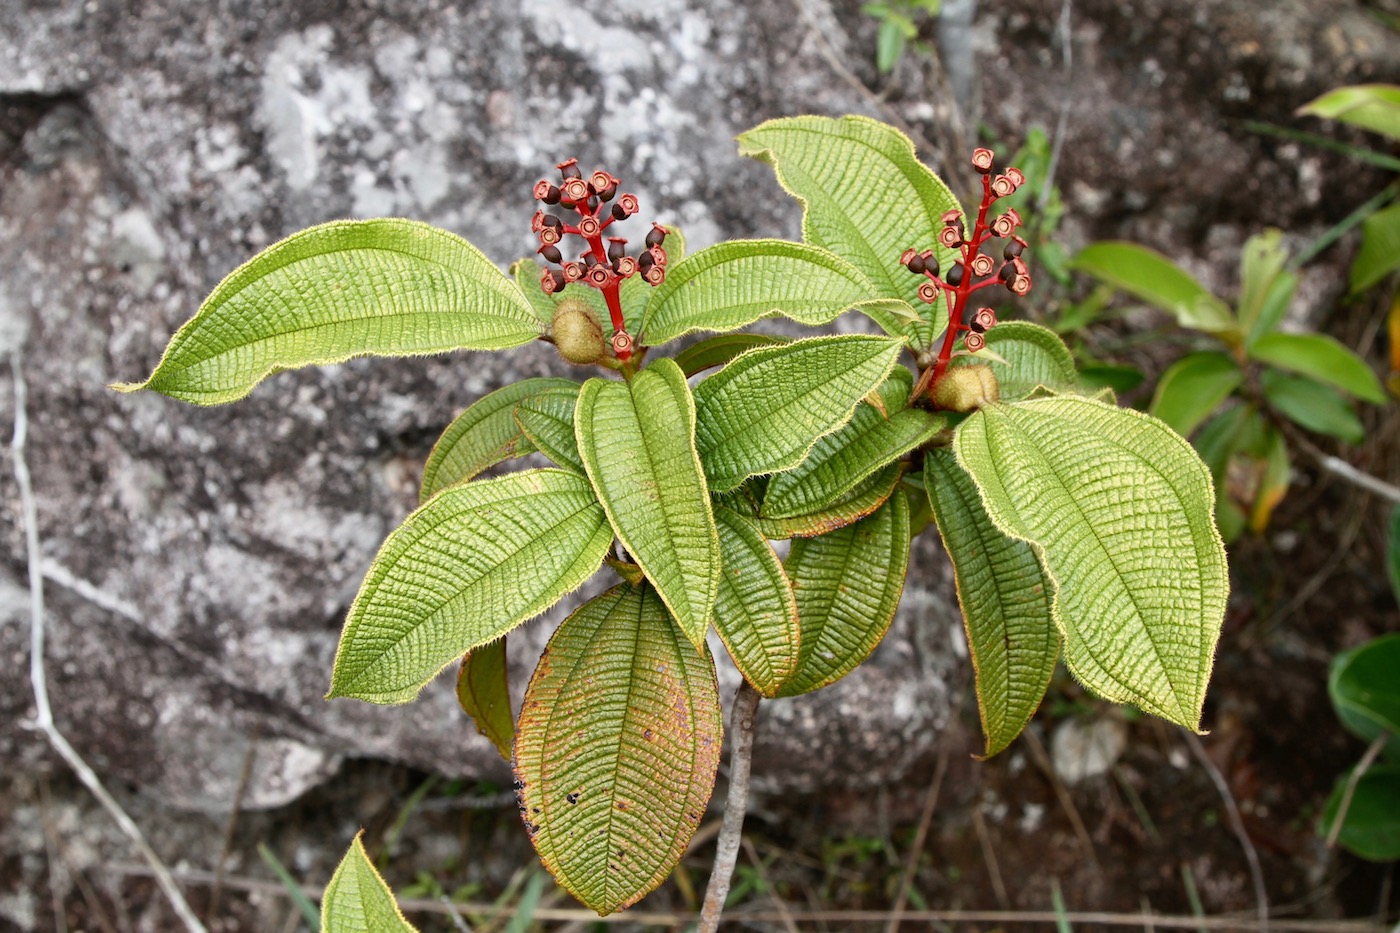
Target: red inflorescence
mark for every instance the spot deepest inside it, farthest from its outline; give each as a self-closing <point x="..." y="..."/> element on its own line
<point x="603" y="265"/>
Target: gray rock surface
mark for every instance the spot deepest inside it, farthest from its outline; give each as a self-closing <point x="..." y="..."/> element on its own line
<point x="200" y="561"/>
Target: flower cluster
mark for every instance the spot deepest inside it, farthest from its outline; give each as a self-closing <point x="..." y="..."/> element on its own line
<point x="975" y="269"/>
<point x="602" y="265"/>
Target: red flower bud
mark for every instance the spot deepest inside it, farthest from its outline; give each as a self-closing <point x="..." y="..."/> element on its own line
<point x="950" y="237"/>
<point x="1021" y="286"/>
<point x="928" y="291"/>
<point x="1003" y="186"/>
<point x="984" y="320"/>
<point x="982" y="160"/>
<point x="617" y="247"/>
<point x="974" y="341"/>
<point x="600" y="275"/>
<point x="575" y="190"/>
<point x="951" y="217"/>
<point x="655" y="275"/>
<point x="625" y="267"/>
<point x="982" y="265"/>
<point x="573" y="271"/>
<point x="658" y="255"/>
<point x="569" y="168"/>
<point x="551" y="252"/>
<point x="628" y="204"/>
<point x="656" y="235"/>
<point x="546" y="192"/>
<point x="602" y="180"/>
<point x="551" y="281"/>
<point x="1017" y="177"/>
<point x="589" y="227"/>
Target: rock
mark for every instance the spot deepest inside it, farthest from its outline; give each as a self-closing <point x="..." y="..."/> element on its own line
<point x="1083" y="749"/>
<point x="200" y="561"/>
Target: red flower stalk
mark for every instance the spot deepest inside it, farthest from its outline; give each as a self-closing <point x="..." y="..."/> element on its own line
<point x="604" y="264"/>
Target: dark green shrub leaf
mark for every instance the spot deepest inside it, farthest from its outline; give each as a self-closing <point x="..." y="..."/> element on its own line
<point x="732" y="284"/>
<point x="1007" y="604"/>
<point x="755" y="614"/>
<point x="1025" y="356"/>
<point x="357" y="900"/>
<point x="1380" y="249"/>
<point x="1322" y="358"/>
<point x="864" y="498"/>
<point x="1192" y="388"/>
<point x="486" y="434"/>
<point x="1155" y="279"/>
<point x="763" y="412"/>
<point x="483" y="691"/>
<point x="867" y="198"/>
<point x="720" y="349"/>
<point x="1312" y="405"/>
<point x="1372" y="825"/>
<point x="1266" y="287"/>
<point x="1118" y="508"/>
<point x="617" y="749"/>
<point x="347" y="288"/>
<point x="848" y="584"/>
<point x="547" y="421"/>
<point x="468" y="566"/>
<point x="637" y="441"/>
<point x="1364" y="684"/>
<point x="1392" y="563"/>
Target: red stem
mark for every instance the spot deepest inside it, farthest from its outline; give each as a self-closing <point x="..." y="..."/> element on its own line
<point x="966" y="287"/>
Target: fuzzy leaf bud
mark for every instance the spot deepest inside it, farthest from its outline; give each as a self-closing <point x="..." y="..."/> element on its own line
<point x="576" y="332"/>
<point x="966" y="388"/>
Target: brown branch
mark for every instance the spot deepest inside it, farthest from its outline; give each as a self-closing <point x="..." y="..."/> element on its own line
<point x="742" y="718"/>
<point x="1232" y="813"/>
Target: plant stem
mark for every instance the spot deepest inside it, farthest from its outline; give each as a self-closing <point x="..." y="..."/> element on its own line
<point x="742" y="718"/>
<point x="1357" y="773"/>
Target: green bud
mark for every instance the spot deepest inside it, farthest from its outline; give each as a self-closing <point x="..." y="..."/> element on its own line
<point x="576" y="332"/>
<point x="966" y="388"/>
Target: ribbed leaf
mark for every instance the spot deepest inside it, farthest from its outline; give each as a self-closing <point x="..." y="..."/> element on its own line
<point x="465" y="568"/>
<point x="1118" y="507"/>
<point x="867" y="198"/>
<point x="1312" y="405"/>
<point x="866" y="497"/>
<point x="1007" y="604"/>
<point x="617" y="750"/>
<point x="848" y="585"/>
<point x="732" y="284"/>
<point x="486" y="434"/>
<point x="547" y="421"/>
<point x="756" y="614"/>
<point x="1030" y="356"/>
<point x="1374" y="107"/>
<point x="1322" y="358"/>
<point x="347" y="288"/>
<point x="869" y="442"/>
<point x="483" y="691"/>
<point x="1192" y="388"/>
<point x="763" y="412"/>
<point x="1152" y="277"/>
<point x="357" y="900"/>
<point x="720" y="349"/>
<point x="1380" y="249"/>
<point x="637" y="441"/>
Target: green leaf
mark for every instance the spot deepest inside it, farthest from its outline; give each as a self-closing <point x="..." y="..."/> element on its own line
<point x="1380" y="249"/>
<point x="838" y="462"/>
<point x="1118" y="508"/>
<point x="1374" y="107"/>
<point x="617" y="749"/>
<point x="357" y="900"/>
<point x="1372" y="825"/>
<point x="889" y="43"/>
<point x="1025" y="356"/>
<point x="547" y="421"/>
<point x="732" y="284"/>
<point x="1274" y="475"/>
<point x="1364" y="684"/>
<point x="867" y="198"/>
<point x="483" y="692"/>
<point x="866" y="497"/>
<point x="347" y="288"/>
<point x="848" y="584"/>
<point x="637" y="440"/>
<point x="1392" y="563"/>
<point x="1192" y="388"/>
<point x="1007" y="603"/>
<point x="486" y="434"/>
<point x="1155" y="279"/>
<point x="468" y="566"/>
<point x="1265" y="287"/>
<point x="1322" y="358"/>
<point x="1312" y="405"/>
<point x="763" y="412"/>
<point x="720" y="349"/>
<point x="755" y="614"/>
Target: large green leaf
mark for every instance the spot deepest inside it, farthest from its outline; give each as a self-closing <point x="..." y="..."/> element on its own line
<point x="1374" y="107"/>
<point x="867" y="198"/>
<point x="637" y="440"/>
<point x="1364" y="684"/>
<point x="1007" y="603"/>
<point x="468" y="566"/>
<point x="1323" y="358"/>
<point x="1118" y="508"/>
<point x="357" y="900"/>
<point x="617" y="749"/>
<point x="347" y="288"/>
<point x="483" y="692"/>
<point x="1372" y="825"/>
<point x="848" y="584"/>
<point x="1380" y="249"/>
<point x="486" y="434"/>
<point x="720" y="349"/>
<point x="1152" y="277"/>
<point x="1193" y="387"/>
<point x="1392" y="559"/>
<point x="732" y="284"/>
<point x="1312" y="405"/>
<point x="755" y="614"/>
<point x="547" y="421"/>
<point x="1024" y="357"/>
<point x="864" y="498"/>
<point x="763" y="412"/>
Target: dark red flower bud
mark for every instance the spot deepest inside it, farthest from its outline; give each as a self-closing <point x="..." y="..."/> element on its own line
<point x="1020" y="286"/>
<point x="1013" y="249"/>
<point x="655" y="275"/>
<point x="625" y="267"/>
<point x="589" y="227"/>
<point x="955" y="275"/>
<point x="913" y="262"/>
<point x="950" y="237"/>
<point x="1007" y="272"/>
<point x="930" y="259"/>
<point x="646" y="261"/>
<point x="656" y="235"/>
<point x="606" y="194"/>
<point x="983" y="265"/>
<point x="658" y="255"/>
<point x="589" y="260"/>
<point x="544" y="191"/>
<point x="628" y="205"/>
<point x="569" y="169"/>
<point x="573" y="271"/>
<point x="617" y="248"/>
<point x="551" y="252"/>
<point x="951" y="217"/>
<point x="928" y="291"/>
<point x="551" y="281"/>
<point x="984" y="320"/>
<point x="982" y="160"/>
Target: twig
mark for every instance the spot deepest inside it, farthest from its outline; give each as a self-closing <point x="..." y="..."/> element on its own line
<point x="1357" y="773"/>
<point x="752" y="853"/>
<point x="1062" y="794"/>
<point x="231" y="826"/>
<point x="60" y="917"/>
<point x="989" y="856"/>
<point x="1339" y="467"/>
<point x="920" y="836"/>
<point x="38" y="677"/>
<point x="458" y="921"/>
<point x="1232" y="812"/>
<point x="741" y="726"/>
